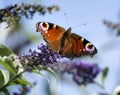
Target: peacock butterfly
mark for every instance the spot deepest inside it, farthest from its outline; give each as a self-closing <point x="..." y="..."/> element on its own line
<point x="64" y="42"/>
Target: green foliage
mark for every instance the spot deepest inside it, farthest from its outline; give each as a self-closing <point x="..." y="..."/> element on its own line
<point x="4" y="77"/>
<point x="11" y="71"/>
<point x="104" y="75"/>
<point x="4" y="51"/>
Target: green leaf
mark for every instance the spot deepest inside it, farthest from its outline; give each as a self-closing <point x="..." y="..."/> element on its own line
<point x="8" y="65"/>
<point x="24" y="82"/>
<point x="1" y="79"/>
<point x="104" y="75"/>
<point x="52" y="72"/>
<point x="38" y="72"/>
<point x="20" y="82"/>
<point x="4" y="51"/>
<point x="4" y="77"/>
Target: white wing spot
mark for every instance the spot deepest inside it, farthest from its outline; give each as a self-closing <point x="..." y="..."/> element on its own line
<point x="90" y="48"/>
<point x="54" y="26"/>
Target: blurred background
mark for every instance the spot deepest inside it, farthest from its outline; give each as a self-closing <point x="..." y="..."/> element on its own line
<point x="99" y="15"/>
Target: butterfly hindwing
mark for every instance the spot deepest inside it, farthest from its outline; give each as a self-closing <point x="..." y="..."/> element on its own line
<point x="73" y="45"/>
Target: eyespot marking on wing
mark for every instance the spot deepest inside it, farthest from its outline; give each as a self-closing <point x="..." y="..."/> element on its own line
<point x="44" y="26"/>
<point x="90" y="48"/>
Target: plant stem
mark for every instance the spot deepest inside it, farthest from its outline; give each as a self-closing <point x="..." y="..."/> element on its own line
<point x="102" y="87"/>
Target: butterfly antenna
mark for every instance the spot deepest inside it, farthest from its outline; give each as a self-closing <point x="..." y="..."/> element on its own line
<point x="79" y="26"/>
<point x="66" y="19"/>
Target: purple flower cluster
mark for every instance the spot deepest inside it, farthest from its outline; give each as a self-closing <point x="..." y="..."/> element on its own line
<point x="43" y="57"/>
<point x="85" y="73"/>
<point x="47" y="55"/>
<point x="82" y="72"/>
<point x="26" y="10"/>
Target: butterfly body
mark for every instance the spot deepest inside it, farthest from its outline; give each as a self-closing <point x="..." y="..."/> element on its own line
<point x="64" y="42"/>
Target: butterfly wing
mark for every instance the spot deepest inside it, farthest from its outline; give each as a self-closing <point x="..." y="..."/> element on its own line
<point x="52" y="34"/>
<point x="64" y="42"/>
<point x="73" y="45"/>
